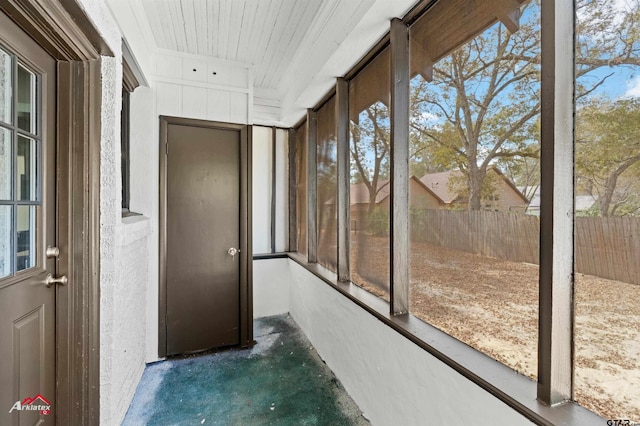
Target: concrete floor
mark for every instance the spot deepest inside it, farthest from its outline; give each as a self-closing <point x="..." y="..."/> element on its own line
<point x="281" y="381"/>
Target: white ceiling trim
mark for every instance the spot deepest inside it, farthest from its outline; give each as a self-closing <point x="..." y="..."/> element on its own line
<point x="320" y="41"/>
<point x="312" y="79"/>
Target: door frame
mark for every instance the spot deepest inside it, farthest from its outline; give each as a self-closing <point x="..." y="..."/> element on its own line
<point x="64" y="30"/>
<point x="246" y="248"/>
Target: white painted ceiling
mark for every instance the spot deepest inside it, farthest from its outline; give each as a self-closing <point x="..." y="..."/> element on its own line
<point x="296" y="48"/>
<point x="264" y="33"/>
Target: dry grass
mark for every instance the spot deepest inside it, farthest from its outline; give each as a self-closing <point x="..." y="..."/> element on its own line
<point x="492" y="305"/>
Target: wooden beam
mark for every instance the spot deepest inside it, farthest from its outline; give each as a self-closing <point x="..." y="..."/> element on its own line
<point x="508" y="12"/>
<point x="312" y="186"/>
<point x="293" y="192"/>
<point x="274" y="188"/>
<point x="555" y="341"/>
<point x="399" y="116"/>
<point x="344" y="227"/>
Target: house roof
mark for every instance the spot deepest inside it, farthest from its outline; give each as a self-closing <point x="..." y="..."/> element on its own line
<point x="438" y="183"/>
<point x="359" y="193"/>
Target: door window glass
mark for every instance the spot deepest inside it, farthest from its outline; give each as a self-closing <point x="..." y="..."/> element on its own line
<point x="26" y="100"/>
<point x="5" y="241"/>
<point x="20" y="157"/>
<point x="5" y="87"/>
<point x="5" y="163"/>
<point x="27" y="169"/>
<point x="26" y="242"/>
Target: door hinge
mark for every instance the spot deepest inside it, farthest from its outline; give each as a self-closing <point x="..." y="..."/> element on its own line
<point x="166" y="149"/>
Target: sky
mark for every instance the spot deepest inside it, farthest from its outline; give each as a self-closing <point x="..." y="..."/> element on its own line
<point x="624" y="83"/>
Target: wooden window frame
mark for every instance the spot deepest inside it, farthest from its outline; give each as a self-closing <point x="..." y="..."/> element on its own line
<point x="554" y="387"/>
<point x="125" y="127"/>
<point x="132" y="78"/>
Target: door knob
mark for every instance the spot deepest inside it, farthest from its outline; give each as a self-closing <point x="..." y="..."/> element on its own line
<point x="49" y="280"/>
<point x="233" y="251"/>
<point x="52" y="252"/>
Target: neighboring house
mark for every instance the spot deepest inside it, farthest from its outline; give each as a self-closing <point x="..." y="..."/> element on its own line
<point x="583" y="202"/>
<point x="431" y="192"/>
<point x="421" y="198"/>
<point x="505" y="198"/>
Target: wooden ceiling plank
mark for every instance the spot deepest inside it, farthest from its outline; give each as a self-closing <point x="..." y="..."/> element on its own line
<point x="164" y="12"/>
<point x="172" y="17"/>
<point x="237" y="8"/>
<point x="272" y="47"/>
<point x="225" y="17"/>
<point x="309" y="11"/>
<point x="201" y="27"/>
<point x="440" y="35"/>
<point x="246" y="23"/>
<point x="160" y="37"/>
<point x="258" y="42"/>
<point x="188" y="8"/>
<point x="269" y="46"/>
<point x="282" y="47"/>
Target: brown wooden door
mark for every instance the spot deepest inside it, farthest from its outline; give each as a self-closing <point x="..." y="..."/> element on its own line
<point x="202" y="225"/>
<point x="27" y="227"/>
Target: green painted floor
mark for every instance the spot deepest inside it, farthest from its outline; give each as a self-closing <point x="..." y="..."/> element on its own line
<point x="281" y="381"/>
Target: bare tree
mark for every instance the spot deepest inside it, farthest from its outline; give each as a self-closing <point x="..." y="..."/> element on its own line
<point x="483" y="104"/>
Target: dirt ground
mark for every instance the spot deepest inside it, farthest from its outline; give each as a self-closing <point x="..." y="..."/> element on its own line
<point x="492" y="305"/>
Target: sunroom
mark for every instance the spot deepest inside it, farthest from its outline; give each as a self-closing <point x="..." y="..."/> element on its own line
<point x="443" y="195"/>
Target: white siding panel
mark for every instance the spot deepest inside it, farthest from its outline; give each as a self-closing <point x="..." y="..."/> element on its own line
<point x="194" y="101"/>
<point x="238" y="77"/>
<point x="218" y="105"/>
<point x="228" y="75"/>
<point x="169" y="99"/>
<point x="168" y="66"/>
<point x="194" y="69"/>
<point x="265" y="114"/>
<point x="238" y="107"/>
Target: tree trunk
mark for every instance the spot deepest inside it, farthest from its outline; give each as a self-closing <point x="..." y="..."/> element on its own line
<point x="610" y="185"/>
<point x="475" y="179"/>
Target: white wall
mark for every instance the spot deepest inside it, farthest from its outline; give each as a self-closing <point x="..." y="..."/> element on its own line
<point x="261" y="170"/>
<point x="129" y="315"/>
<point x="124" y="247"/>
<point x="393" y="381"/>
<point x="263" y="189"/>
<point x="271" y="282"/>
<point x="282" y="191"/>
<point x="198" y="87"/>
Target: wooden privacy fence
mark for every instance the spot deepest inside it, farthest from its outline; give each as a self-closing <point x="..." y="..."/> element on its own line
<point x="605" y="247"/>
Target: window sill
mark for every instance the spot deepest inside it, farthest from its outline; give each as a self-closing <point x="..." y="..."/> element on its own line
<point x="128" y="213"/>
<point x="134" y="228"/>
<point x="515" y="390"/>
